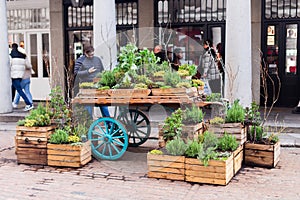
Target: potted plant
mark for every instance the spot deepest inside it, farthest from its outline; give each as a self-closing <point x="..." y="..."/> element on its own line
<point x="262" y="147"/>
<point x="32" y="134"/>
<point x="192" y="120"/>
<point x="66" y="149"/>
<point x="212" y="160"/>
<point x="232" y="124"/>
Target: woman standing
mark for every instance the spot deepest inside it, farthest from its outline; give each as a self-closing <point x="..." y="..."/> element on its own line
<point x="18" y="64"/>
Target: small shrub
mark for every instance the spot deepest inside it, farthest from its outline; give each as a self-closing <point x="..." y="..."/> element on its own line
<point x="236" y="113"/>
<point x="192" y="115"/>
<point x="193" y="149"/>
<point x="59" y="137"/>
<point x="173" y="125"/>
<point x="227" y="143"/>
<point x="217" y="120"/>
<point x="176" y="147"/>
<point x="156" y="152"/>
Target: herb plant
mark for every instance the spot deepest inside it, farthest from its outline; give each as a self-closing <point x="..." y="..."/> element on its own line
<point x="227" y="143"/>
<point x="173" y="125"/>
<point x="236" y="113"/>
<point x="176" y="147"/>
<point x="192" y="115"/>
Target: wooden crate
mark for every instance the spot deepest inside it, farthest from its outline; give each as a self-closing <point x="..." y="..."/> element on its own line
<point x="165" y="166"/>
<point x="31" y="144"/>
<point x="175" y="91"/>
<point x="92" y="92"/>
<point x="129" y="92"/>
<point x="238" y="130"/>
<point x="238" y="157"/>
<point x="218" y="172"/>
<point x="67" y="155"/>
<point x="262" y="155"/>
<point x="191" y="132"/>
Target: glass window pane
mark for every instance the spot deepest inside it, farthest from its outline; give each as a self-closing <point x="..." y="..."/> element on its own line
<point x="272" y="49"/>
<point x="33" y="54"/>
<point x="291" y="49"/>
<point x="46" y="63"/>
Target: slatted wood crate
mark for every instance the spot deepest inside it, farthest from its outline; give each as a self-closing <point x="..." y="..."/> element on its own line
<point x="165" y="166"/>
<point x="238" y="157"/>
<point x="129" y="92"/>
<point x="31" y="144"/>
<point x="191" y="92"/>
<point x="67" y="155"/>
<point x="262" y="155"/>
<point x="218" y="172"/>
<point x="92" y="92"/>
<point x="238" y="130"/>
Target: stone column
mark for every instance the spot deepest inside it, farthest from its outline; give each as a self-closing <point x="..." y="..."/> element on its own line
<point x="238" y="52"/>
<point x="5" y="80"/>
<point x="105" y="32"/>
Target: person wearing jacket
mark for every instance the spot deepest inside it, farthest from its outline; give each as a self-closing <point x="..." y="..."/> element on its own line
<point x="85" y="70"/>
<point x="210" y="68"/>
<point x="18" y="64"/>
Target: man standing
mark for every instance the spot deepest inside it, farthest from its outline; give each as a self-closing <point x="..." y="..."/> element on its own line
<point x="86" y="69"/>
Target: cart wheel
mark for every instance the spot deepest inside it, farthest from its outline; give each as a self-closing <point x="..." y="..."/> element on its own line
<point x="137" y="125"/>
<point x="108" y="137"/>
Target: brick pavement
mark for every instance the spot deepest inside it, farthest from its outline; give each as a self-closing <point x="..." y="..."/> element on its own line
<point x="126" y="178"/>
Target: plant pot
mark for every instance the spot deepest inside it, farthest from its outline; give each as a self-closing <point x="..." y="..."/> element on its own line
<point x="238" y="130"/>
<point x="218" y="172"/>
<point x="262" y="155"/>
<point x="92" y="92"/>
<point x="129" y="93"/>
<point x="31" y="144"/>
<point x="68" y="155"/>
<point x="165" y="166"/>
<point x="174" y="91"/>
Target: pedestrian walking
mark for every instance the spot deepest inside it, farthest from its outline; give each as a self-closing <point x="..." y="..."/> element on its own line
<point x="19" y="62"/>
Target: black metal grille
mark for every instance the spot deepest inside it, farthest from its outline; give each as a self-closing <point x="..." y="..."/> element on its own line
<point x="279" y="9"/>
<point x="189" y="11"/>
<point x="126" y="13"/>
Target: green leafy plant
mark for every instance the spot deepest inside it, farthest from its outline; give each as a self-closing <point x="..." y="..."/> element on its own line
<point x="87" y="85"/>
<point x="173" y="125"/>
<point x="236" y="113"/>
<point x="214" y="97"/>
<point x="156" y="152"/>
<point x="193" y="149"/>
<point x="176" y="147"/>
<point x="227" y="143"/>
<point x="107" y="78"/>
<point x="60" y="136"/>
<point x="37" y="117"/>
<point x="217" y="120"/>
<point x="171" y="79"/>
<point x="191" y="69"/>
<point x="192" y="115"/>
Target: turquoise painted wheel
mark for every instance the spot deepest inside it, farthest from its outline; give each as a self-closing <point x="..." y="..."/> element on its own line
<point x="109" y="139"/>
<point x="137" y="125"/>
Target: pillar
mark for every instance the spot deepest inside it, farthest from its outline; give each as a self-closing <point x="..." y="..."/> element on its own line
<point x="105" y="32"/>
<point x="5" y="80"/>
<point x="238" y="52"/>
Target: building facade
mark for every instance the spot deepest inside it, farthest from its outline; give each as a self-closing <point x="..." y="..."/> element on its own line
<point x="244" y="28"/>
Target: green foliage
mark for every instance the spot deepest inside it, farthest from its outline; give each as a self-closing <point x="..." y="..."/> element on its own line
<point x="256" y="133"/>
<point x="227" y="143"/>
<point x="59" y="111"/>
<point x="213" y="97"/>
<point x="87" y="85"/>
<point x="253" y="115"/>
<point x="37" y="117"/>
<point x="193" y="149"/>
<point x="192" y="115"/>
<point x="171" y="79"/>
<point x="273" y="138"/>
<point x="60" y="136"/>
<point x="107" y="78"/>
<point x="127" y="57"/>
<point x="209" y="140"/>
<point x="156" y="152"/>
<point x="197" y="82"/>
<point x="217" y="120"/>
<point x="183" y="84"/>
<point x="205" y="155"/>
<point x="236" y="113"/>
<point x="192" y="69"/>
<point x="176" y="147"/>
<point x="173" y="125"/>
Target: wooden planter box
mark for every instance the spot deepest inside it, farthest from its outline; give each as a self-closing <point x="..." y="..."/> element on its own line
<point x="235" y="129"/>
<point x="238" y="157"/>
<point x="129" y="92"/>
<point x="262" y="155"/>
<point x="175" y="91"/>
<point x="165" y="166"/>
<point x="31" y="144"/>
<point x="218" y="172"/>
<point x="92" y="92"/>
<point x="67" y="155"/>
<point x="192" y="131"/>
